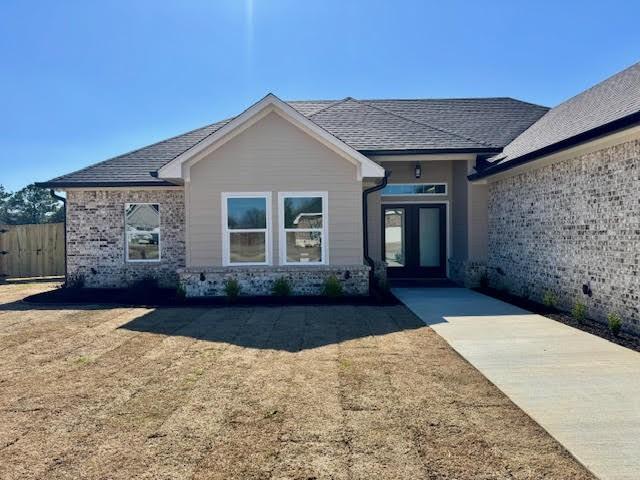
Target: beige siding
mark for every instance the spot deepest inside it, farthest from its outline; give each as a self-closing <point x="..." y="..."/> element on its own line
<point x="273" y="155"/>
<point x="459" y="214"/>
<point x="478" y="212"/>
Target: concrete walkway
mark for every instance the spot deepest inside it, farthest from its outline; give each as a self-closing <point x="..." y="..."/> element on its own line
<point x="584" y="390"/>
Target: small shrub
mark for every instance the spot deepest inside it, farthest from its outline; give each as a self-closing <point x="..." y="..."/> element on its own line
<point x="484" y="280"/>
<point x="615" y="323"/>
<point x="281" y="287"/>
<point x="232" y="289"/>
<point x="383" y="286"/>
<point x="146" y="284"/>
<point x="75" y="282"/>
<point x="579" y="312"/>
<point x="181" y="293"/>
<point x="549" y="299"/>
<point x="145" y="289"/>
<point x="332" y="287"/>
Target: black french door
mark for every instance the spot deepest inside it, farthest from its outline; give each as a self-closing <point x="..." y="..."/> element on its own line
<point x="414" y="240"/>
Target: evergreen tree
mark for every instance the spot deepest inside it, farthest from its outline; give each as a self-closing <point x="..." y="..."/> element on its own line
<point x="32" y="205"/>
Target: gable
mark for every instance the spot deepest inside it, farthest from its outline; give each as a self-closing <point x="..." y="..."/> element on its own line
<point x="180" y="167"/>
<point x="270" y="149"/>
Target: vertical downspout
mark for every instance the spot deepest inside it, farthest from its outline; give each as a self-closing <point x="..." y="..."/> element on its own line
<point x="365" y="225"/>
<point x="64" y="210"/>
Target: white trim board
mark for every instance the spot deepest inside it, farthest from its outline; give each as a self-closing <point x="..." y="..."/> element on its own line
<point x="590" y="146"/>
<point x="426" y="157"/>
<point x="179" y="167"/>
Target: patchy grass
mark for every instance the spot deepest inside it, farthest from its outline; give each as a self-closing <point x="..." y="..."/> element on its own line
<point x="83" y="359"/>
<point x="341" y="392"/>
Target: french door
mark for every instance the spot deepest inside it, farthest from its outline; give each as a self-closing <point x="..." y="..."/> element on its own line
<point x="414" y="240"/>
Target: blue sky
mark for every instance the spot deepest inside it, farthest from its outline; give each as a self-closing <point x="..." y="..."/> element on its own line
<point x="81" y="81"/>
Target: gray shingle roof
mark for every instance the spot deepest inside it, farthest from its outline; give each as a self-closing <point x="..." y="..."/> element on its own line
<point x="494" y="121"/>
<point x="369" y="126"/>
<point x="605" y="104"/>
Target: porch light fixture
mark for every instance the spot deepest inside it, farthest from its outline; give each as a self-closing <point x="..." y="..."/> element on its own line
<point x="418" y="170"/>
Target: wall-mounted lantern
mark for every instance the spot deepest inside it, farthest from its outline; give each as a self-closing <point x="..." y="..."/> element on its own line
<point x="418" y="170"/>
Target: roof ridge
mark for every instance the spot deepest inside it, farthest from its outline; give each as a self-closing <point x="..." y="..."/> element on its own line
<point x="424" y="124"/>
<point x="332" y="104"/>
<point x="440" y="99"/>
<point x="528" y="103"/>
<point x="601" y="82"/>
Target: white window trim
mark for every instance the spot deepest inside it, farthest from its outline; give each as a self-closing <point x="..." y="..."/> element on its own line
<point x="446" y="190"/>
<point x="126" y="235"/>
<point x="282" y="232"/>
<point x="226" y="252"/>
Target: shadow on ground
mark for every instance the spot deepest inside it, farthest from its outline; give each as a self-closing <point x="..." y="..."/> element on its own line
<point x="287" y="328"/>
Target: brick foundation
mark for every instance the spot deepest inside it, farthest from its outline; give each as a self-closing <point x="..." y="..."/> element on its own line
<point x="209" y="281"/>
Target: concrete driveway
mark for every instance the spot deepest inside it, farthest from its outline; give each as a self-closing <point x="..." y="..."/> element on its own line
<point x="584" y="390"/>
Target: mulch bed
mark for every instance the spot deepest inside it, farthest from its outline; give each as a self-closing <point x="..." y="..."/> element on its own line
<point x="588" y="325"/>
<point x="168" y="298"/>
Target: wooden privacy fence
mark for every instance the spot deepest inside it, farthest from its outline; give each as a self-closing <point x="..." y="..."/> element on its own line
<point x="32" y="250"/>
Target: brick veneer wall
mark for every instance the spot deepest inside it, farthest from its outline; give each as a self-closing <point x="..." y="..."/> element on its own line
<point x="95" y="237"/>
<point x="468" y="273"/>
<point x="563" y="225"/>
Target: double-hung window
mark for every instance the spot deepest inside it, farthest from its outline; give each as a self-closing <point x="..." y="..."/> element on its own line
<point x="246" y="220"/>
<point x="142" y="232"/>
<point x="303" y="228"/>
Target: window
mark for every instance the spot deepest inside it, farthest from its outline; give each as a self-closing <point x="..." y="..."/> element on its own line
<point x="246" y="218"/>
<point x="414" y="189"/>
<point x="142" y="230"/>
<point x="303" y="228"/>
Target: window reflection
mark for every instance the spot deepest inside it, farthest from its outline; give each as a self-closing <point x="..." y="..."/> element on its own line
<point x="142" y="227"/>
<point x="394" y="249"/>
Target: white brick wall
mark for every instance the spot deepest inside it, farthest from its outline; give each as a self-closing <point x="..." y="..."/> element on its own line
<point x="559" y="226"/>
<point x="95" y="236"/>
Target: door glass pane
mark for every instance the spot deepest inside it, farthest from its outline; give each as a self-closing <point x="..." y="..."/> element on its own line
<point x="394" y="248"/>
<point x="429" y="237"/>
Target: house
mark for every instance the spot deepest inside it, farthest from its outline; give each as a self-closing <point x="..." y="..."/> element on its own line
<point x="534" y="199"/>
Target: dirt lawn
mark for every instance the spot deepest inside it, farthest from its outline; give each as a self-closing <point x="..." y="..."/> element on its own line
<point x="251" y="393"/>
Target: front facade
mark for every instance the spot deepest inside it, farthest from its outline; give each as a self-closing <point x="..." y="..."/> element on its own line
<point x="465" y="189"/>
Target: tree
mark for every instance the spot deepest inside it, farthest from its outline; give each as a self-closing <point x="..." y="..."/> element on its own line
<point x="32" y="205"/>
<point x="4" y="198"/>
